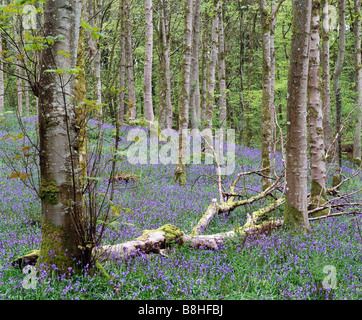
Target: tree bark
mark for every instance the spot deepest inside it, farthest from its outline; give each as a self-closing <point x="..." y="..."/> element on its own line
<point x="148" y="106"/>
<point x="122" y="71"/>
<point x="337" y="92"/>
<point x="132" y="105"/>
<point x="18" y="69"/>
<point x="315" y="115"/>
<point x="295" y="212"/>
<point x="1" y="80"/>
<point x="222" y="72"/>
<point x="194" y="82"/>
<point x="204" y="67"/>
<point x="266" y="137"/>
<point x="358" y="74"/>
<point x="212" y="65"/>
<point x="60" y="189"/>
<point x="180" y="169"/>
<point x="326" y="87"/>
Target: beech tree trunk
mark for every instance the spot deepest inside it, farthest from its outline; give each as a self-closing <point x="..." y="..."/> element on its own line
<point x="122" y="72"/>
<point x="148" y="106"/>
<point x="60" y="188"/>
<point x="272" y="68"/>
<point x="131" y="89"/>
<point x="204" y="67"/>
<point x="266" y="134"/>
<point x="358" y="125"/>
<point x="337" y="92"/>
<point x="222" y="72"/>
<point x="180" y="169"/>
<point x="212" y="65"/>
<point x="315" y="113"/>
<point x="295" y="212"/>
<point x="18" y="70"/>
<point x="194" y="82"/>
<point x="326" y="87"/>
<point x="1" y="81"/>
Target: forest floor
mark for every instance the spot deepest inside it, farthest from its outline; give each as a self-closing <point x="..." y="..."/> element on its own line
<point x="280" y="265"/>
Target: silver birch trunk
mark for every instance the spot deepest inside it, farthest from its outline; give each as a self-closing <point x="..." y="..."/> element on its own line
<point x="295" y="212"/>
<point x="194" y="82"/>
<point x="358" y="126"/>
<point x="180" y="169"/>
<point x="326" y="86"/>
<point x="337" y="91"/>
<point x="148" y="62"/>
<point x="266" y="119"/>
<point x="60" y="189"/>
<point x="315" y="116"/>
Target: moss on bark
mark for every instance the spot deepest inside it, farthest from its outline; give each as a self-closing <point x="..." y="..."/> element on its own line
<point x="54" y="247"/>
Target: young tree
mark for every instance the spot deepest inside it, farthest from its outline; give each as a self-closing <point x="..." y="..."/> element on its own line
<point x="337" y="91"/>
<point x="315" y="116"/>
<point x="296" y="150"/>
<point x="148" y="62"/>
<point x="358" y="126"/>
<point x="60" y="188"/>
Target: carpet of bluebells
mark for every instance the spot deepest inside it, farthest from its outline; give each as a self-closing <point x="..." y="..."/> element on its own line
<point x="280" y="265"/>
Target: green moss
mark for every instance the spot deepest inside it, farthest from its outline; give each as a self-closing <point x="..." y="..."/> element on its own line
<point x="318" y="196"/>
<point x="293" y="218"/>
<point x="49" y="191"/>
<point x="336" y="181"/>
<point x="170" y="231"/>
<point x="54" y="245"/>
<point x="357" y="162"/>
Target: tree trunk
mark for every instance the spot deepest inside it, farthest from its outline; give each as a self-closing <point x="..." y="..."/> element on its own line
<point x="272" y="68"/>
<point x="222" y="72"/>
<point x="212" y="66"/>
<point x="337" y="92"/>
<point x="194" y="82"/>
<point x="162" y="109"/>
<point x="18" y="69"/>
<point x="204" y="67"/>
<point x="266" y="137"/>
<point x="1" y="81"/>
<point x="315" y="115"/>
<point x="358" y="126"/>
<point x="250" y="69"/>
<point x="296" y="169"/>
<point x="326" y="87"/>
<point x="122" y="71"/>
<point x="180" y="169"/>
<point x="131" y="89"/>
<point x="148" y="62"/>
<point x="60" y="189"/>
